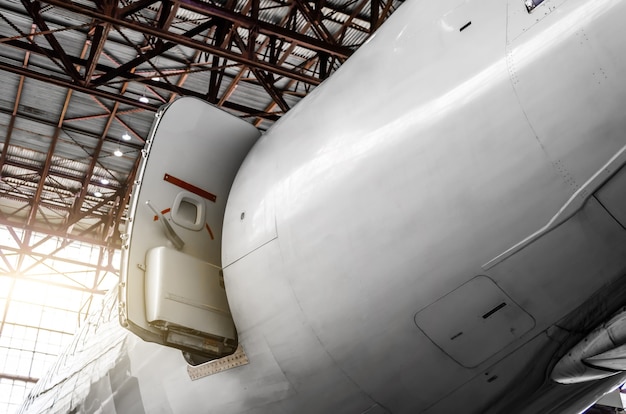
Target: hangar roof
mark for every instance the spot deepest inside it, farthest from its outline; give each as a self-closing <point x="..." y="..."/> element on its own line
<point x="80" y="83"/>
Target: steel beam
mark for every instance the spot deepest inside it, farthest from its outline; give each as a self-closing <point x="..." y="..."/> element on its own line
<point x="72" y="129"/>
<point x="187" y="42"/>
<point x="128" y="75"/>
<point x="222" y="29"/>
<point x="56" y="173"/>
<point x="54" y="80"/>
<point x="374" y="14"/>
<point x="313" y="17"/>
<point x="97" y="241"/>
<point x="46" y="167"/>
<point x="33" y="10"/>
<point x="264" y="79"/>
<point x="18" y="378"/>
<point x="355" y="12"/>
<point x="97" y="46"/>
<point x="16" y="105"/>
<point x="122" y="203"/>
<point x="134" y="7"/>
<point x="265" y="28"/>
<point x="94" y="160"/>
<point x="252" y="112"/>
<point x="157" y="50"/>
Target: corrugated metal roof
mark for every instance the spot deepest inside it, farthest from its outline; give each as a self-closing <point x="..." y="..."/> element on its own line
<point x="99" y="113"/>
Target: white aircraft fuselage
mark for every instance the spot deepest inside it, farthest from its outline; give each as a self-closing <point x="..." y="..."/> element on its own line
<point x="428" y="231"/>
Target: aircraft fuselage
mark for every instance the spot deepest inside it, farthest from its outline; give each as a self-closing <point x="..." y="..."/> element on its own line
<point x="426" y="230"/>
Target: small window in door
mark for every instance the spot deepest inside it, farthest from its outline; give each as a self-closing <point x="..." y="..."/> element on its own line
<point x="531" y="4"/>
<point x="188" y="211"/>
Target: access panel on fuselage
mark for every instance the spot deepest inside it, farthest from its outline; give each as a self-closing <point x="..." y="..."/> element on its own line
<point x="474" y="322"/>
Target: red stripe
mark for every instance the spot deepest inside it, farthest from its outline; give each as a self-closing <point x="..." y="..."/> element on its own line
<point x="210" y="232"/>
<point x="190" y="187"/>
<point x="167" y="210"/>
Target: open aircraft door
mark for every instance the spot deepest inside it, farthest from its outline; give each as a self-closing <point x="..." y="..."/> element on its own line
<point x="172" y="289"/>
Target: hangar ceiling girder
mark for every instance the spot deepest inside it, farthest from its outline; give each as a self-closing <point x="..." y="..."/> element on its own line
<point x="244" y="54"/>
<point x="27" y="257"/>
<point x="238" y="44"/>
<point x="187" y="38"/>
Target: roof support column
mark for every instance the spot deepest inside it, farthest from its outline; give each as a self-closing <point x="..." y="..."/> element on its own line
<point x="16" y="105"/>
<point x="46" y="166"/>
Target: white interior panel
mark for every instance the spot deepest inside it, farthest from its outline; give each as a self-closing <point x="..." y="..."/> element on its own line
<point x="186" y="291"/>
